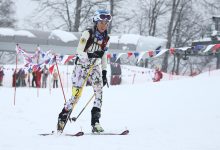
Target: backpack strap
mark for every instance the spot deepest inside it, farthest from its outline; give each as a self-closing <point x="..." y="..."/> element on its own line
<point x="90" y="41"/>
<point x="104" y="42"/>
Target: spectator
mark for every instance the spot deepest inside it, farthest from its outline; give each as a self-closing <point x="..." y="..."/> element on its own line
<point x="38" y="78"/>
<point x="23" y="76"/>
<point x="1" y="75"/>
<point x="157" y="75"/>
<point x="19" y="78"/>
<point x="55" y="79"/>
<point x="29" y="79"/>
<point x="141" y="63"/>
<point x="14" y="76"/>
<point x="45" y="73"/>
<point x="34" y="80"/>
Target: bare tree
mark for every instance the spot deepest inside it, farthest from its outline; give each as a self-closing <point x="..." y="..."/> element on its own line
<point x="180" y="31"/>
<point x="54" y="14"/>
<point x="77" y="15"/>
<point x="7" y="13"/>
<point x="187" y="28"/>
<point x="156" y="10"/>
<point x="151" y="11"/>
<point x="121" y="17"/>
<point x="213" y="7"/>
<point x="112" y="13"/>
<point x="60" y="13"/>
<point x="69" y="20"/>
<point x="175" y="4"/>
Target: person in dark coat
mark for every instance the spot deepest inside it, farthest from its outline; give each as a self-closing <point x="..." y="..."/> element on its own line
<point x="1" y="75"/>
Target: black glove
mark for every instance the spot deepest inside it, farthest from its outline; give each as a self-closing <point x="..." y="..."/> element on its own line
<point x="104" y="79"/>
<point x="96" y="54"/>
<point x="76" y="60"/>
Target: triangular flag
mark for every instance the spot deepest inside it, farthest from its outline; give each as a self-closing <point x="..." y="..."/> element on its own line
<point x="119" y="55"/>
<point x="158" y="49"/>
<point x="114" y="55"/>
<point x="136" y="54"/>
<point x="140" y="56"/>
<point x="215" y="48"/>
<point x="172" y="50"/>
<point x="67" y="58"/>
<point x="108" y="55"/>
<point x="51" y="69"/>
<point x="150" y="53"/>
<point x="129" y="54"/>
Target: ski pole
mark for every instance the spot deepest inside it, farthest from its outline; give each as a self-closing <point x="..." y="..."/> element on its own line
<point x="79" y="92"/>
<point x="107" y="84"/>
<point x="15" y="73"/>
<point x="60" y="79"/>
<point x="75" y="118"/>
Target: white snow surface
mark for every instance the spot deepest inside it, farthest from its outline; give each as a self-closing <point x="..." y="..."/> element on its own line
<point x="178" y="114"/>
<point x="12" y="32"/>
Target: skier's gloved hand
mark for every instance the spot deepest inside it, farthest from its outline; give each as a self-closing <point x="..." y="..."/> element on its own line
<point x="96" y="54"/>
<point x="76" y="60"/>
<point x="104" y="78"/>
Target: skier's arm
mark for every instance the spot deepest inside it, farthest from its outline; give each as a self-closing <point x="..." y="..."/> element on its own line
<point x="104" y="57"/>
<point x="82" y="43"/>
<point x="104" y="61"/>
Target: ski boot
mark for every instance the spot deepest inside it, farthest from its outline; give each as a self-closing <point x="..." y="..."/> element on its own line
<point x="64" y="116"/>
<point x="96" y="127"/>
<point x="62" y="119"/>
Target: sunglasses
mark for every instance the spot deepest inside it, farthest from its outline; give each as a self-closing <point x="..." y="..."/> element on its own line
<point x="105" y="17"/>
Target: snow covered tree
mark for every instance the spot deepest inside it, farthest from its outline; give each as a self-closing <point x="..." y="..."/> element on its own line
<point x="7" y="13"/>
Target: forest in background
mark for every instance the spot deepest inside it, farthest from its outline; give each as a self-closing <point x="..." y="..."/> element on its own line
<point x="179" y="21"/>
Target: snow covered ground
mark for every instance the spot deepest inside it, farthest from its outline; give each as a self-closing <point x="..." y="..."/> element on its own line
<point x="178" y="114"/>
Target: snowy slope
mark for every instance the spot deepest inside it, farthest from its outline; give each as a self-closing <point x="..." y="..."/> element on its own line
<point x="180" y="114"/>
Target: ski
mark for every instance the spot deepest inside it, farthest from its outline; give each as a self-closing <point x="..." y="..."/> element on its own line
<point x="77" y="134"/>
<point x="46" y="134"/>
<point x="53" y="133"/>
<point x="80" y="133"/>
<point x="125" y="132"/>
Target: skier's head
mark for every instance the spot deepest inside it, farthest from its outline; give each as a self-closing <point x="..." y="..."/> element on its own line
<point x="101" y="20"/>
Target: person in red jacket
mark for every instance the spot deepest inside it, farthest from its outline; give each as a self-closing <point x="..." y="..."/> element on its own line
<point x="38" y="78"/>
<point x="158" y="75"/>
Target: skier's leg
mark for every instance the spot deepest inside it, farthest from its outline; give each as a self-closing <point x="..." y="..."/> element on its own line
<point x="45" y="83"/>
<point x="78" y="76"/>
<point x="57" y="83"/>
<point x="97" y="84"/>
